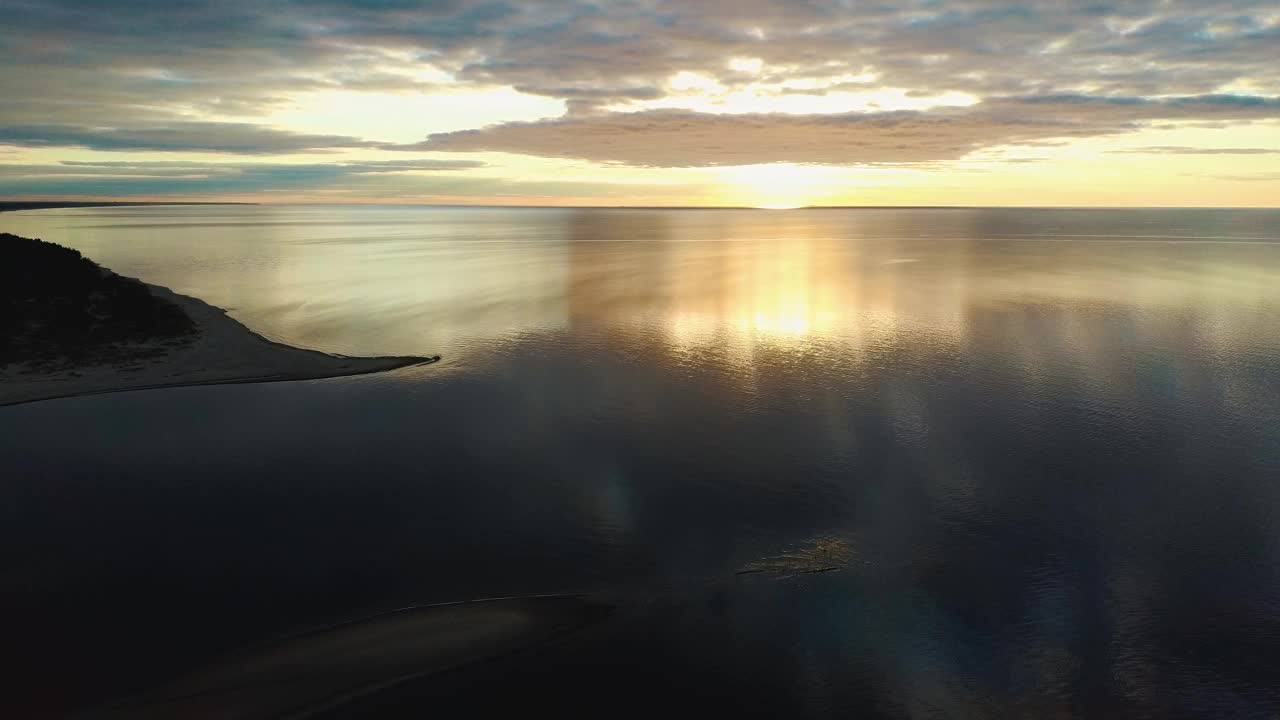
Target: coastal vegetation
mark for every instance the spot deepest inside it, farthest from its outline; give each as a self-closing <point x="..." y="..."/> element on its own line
<point x="58" y="308"/>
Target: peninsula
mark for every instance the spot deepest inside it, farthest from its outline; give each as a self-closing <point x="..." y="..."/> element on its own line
<point x="70" y="327"/>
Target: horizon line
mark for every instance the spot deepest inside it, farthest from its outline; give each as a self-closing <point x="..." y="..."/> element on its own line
<point x="53" y="204"/>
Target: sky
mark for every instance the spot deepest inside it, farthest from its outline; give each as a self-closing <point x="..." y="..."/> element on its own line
<point x="763" y="103"/>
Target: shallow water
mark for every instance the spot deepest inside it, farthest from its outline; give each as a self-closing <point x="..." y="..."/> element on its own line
<point x="888" y="462"/>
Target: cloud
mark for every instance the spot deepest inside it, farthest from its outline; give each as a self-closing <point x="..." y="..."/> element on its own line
<point x="178" y="177"/>
<point x="243" y="56"/>
<point x="1185" y="150"/>
<point x="416" y="180"/>
<point x="205" y="75"/>
<point x="676" y="138"/>
<point x="1247" y="177"/>
<point x="360" y="167"/>
<point x="243" y="138"/>
<point x="1134" y="48"/>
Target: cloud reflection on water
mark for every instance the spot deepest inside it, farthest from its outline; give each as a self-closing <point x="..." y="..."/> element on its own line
<point x="1045" y="467"/>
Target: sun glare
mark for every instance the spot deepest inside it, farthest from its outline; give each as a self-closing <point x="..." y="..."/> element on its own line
<point x="408" y="117"/>
<point x="780" y="186"/>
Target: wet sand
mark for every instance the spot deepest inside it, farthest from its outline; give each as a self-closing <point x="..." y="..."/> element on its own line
<point x="304" y="675"/>
<point x="222" y="351"/>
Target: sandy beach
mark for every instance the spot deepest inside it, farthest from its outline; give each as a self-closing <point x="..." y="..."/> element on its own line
<point x="222" y="351"/>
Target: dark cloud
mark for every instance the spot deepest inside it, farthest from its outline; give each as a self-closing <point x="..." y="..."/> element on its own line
<point x="143" y="69"/>
<point x="411" y="180"/>
<point x="248" y="50"/>
<point x="1135" y="48"/>
<point x="368" y="166"/>
<point x="176" y="177"/>
<point x="675" y="138"/>
<point x="242" y="138"/>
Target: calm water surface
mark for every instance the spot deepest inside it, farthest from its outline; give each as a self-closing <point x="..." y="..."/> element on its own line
<point x="907" y="463"/>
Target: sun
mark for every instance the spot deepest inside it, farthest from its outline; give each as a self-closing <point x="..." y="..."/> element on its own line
<point x="776" y="186"/>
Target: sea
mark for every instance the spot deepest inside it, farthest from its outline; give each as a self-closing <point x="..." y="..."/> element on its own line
<point x="874" y="463"/>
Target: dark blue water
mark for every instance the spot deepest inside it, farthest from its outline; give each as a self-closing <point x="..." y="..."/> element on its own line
<point x="988" y="463"/>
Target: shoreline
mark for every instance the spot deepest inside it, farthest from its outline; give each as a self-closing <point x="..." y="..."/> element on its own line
<point x="223" y="351"/>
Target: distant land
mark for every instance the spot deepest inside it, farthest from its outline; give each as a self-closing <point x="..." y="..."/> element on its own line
<point x="11" y="205"/>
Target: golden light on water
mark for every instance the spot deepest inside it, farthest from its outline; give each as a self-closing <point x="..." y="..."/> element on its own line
<point x="799" y="294"/>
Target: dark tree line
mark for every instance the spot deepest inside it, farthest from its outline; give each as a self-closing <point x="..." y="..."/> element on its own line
<point x="58" y="306"/>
